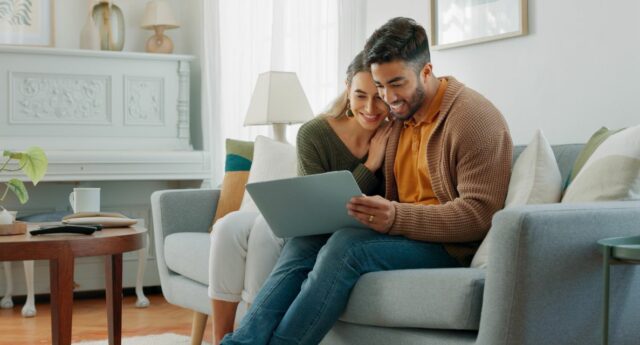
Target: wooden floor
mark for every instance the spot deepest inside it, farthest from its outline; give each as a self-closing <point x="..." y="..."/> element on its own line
<point x="90" y="321"/>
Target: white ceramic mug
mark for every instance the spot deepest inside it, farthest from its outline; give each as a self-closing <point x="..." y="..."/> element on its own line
<point x="85" y="200"/>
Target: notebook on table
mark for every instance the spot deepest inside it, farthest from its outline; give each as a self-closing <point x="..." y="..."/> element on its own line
<point x="306" y="205"/>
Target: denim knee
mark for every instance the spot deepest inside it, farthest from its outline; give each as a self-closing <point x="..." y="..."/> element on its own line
<point x="343" y="241"/>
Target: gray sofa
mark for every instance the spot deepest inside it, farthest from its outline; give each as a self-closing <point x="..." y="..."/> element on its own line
<point x="543" y="284"/>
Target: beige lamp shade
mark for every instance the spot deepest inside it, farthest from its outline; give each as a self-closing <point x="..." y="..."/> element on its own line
<point x="158" y="13"/>
<point x="278" y="98"/>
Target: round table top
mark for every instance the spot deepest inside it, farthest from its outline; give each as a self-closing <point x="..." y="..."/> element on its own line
<point x="43" y="247"/>
<point x="623" y="248"/>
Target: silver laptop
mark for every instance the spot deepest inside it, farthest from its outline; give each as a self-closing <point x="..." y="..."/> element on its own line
<point x="306" y="205"/>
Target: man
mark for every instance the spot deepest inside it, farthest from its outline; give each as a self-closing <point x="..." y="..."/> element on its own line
<point x="447" y="171"/>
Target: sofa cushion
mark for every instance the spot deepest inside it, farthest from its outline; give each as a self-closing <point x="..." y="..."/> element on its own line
<point x="271" y="160"/>
<point x="447" y="298"/>
<point x="187" y="254"/>
<point x="535" y="179"/>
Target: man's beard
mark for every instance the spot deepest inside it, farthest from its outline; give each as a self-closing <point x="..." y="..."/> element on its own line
<point x="414" y="104"/>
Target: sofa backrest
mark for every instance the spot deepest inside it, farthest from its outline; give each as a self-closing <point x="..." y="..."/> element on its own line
<point x="566" y="155"/>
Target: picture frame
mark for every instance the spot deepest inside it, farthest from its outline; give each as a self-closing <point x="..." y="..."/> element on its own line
<point x="456" y="23"/>
<point x="27" y="22"/>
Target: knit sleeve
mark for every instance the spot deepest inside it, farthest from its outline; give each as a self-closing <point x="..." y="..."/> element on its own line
<point x="482" y="172"/>
<point x="309" y="155"/>
<point x="368" y="182"/>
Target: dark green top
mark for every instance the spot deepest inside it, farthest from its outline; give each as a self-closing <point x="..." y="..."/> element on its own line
<point x="321" y="150"/>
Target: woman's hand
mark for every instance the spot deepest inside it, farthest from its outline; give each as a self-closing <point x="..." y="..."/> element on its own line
<point x="377" y="147"/>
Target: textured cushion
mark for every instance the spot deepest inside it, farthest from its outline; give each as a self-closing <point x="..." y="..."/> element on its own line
<point x="271" y="160"/>
<point x="449" y="298"/>
<point x="187" y="253"/>
<point x="236" y="173"/>
<point x="535" y="179"/>
<point x="612" y="172"/>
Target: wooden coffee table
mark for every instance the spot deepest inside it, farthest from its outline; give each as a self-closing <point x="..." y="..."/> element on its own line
<point x="61" y="250"/>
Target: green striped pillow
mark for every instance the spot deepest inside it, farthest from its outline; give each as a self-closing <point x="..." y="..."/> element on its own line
<point x="594" y="142"/>
<point x="612" y="170"/>
<point x="236" y="173"/>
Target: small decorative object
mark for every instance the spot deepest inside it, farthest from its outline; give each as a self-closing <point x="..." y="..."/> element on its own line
<point x="109" y="20"/>
<point x="278" y="100"/>
<point x="33" y="163"/>
<point x="12" y="227"/>
<point x="159" y="17"/>
<point x="90" y="35"/>
<point x="5" y="216"/>
<point x="457" y="23"/>
<point x="27" y="22"/>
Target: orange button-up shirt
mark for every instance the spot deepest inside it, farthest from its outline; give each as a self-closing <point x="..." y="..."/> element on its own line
<point x="410" y="168"/>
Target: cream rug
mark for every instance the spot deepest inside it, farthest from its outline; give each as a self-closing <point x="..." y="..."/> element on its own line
<point x="161" y="339"/>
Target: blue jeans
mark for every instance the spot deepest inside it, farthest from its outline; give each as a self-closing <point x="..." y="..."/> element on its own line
<point x="310" y="285"/>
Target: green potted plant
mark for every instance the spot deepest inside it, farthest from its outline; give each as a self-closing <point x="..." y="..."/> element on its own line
<point x="33" y="163"/>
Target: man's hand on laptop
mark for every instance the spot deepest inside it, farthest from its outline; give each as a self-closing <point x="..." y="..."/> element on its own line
<point x="375" y="212"/>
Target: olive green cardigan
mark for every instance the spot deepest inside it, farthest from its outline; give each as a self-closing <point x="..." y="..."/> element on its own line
<point x="321" y="150"/>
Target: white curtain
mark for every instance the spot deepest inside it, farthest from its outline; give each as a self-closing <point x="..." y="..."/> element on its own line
<point x="316" y="39"/>
<point x="352" y="25"/>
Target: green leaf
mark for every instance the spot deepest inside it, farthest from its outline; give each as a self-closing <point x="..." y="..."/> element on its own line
<point x="34" y="164"/>
<point x="18" y="188"/>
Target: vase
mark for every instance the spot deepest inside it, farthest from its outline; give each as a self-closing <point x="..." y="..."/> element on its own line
<point x="109" y="22"/>
<point x="90" y="36"/>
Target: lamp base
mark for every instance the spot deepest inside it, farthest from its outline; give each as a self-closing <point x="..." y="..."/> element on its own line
<point x="159" y="43"/>
<point x="280" y="132"/>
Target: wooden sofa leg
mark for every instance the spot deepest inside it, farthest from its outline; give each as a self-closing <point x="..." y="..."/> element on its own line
<point x="197" y="327"/>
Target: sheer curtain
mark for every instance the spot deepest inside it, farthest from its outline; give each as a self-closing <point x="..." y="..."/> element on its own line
<point x="243" y="38"/>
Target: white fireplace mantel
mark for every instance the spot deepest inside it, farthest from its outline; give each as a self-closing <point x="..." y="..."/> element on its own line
<point x="100" y="115"/>
<point x="122" y="166"/>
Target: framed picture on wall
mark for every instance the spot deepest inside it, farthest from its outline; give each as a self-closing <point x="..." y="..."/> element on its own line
<point x="27" y="22"/>
<point x="457" y="23"/>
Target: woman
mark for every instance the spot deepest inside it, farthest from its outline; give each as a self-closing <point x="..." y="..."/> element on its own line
<point x="349" y="136"/>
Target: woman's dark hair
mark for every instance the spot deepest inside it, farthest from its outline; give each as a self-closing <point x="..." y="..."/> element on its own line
<point x="398" y="39"/>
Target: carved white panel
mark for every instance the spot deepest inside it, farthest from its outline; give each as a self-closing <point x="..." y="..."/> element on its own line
<point x="47" y="98"/>
<point x="144" y="101"/>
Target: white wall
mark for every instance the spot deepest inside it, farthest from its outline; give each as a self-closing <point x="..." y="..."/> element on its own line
<point x="71" y="15"/>
<point x="576" y="71"/>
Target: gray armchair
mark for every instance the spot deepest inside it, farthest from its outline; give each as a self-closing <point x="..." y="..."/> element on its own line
<point x="181" y="221"/>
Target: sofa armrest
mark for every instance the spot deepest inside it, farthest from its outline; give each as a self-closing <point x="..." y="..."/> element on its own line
<point x="180" y="210"/>
<point x="184" y="210"/>
<point x="544" y="276"/>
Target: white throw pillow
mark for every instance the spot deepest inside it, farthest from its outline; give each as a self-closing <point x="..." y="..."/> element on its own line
<point x="272" y="160"/>
<point x="535" y="179"/>
<point x="611" y="173"/>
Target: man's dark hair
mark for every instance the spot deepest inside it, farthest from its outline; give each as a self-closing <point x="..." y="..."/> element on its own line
<point x="399" y="39"/>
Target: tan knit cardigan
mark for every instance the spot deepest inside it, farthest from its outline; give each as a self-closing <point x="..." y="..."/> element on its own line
<point x="469" y="161"/>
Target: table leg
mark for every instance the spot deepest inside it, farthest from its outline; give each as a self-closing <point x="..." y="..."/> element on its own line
<point x="61" y="279"/>
<point x="605" y="298"/>
<point x="113" y="279"/>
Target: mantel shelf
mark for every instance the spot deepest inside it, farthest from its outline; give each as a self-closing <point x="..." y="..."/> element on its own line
<point x="123" y="166"/>
<point x="94" y="53"/>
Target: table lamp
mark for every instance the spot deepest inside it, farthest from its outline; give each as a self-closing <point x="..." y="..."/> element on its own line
<point x="278" y="100"/>
<point x="159" y="17"/>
